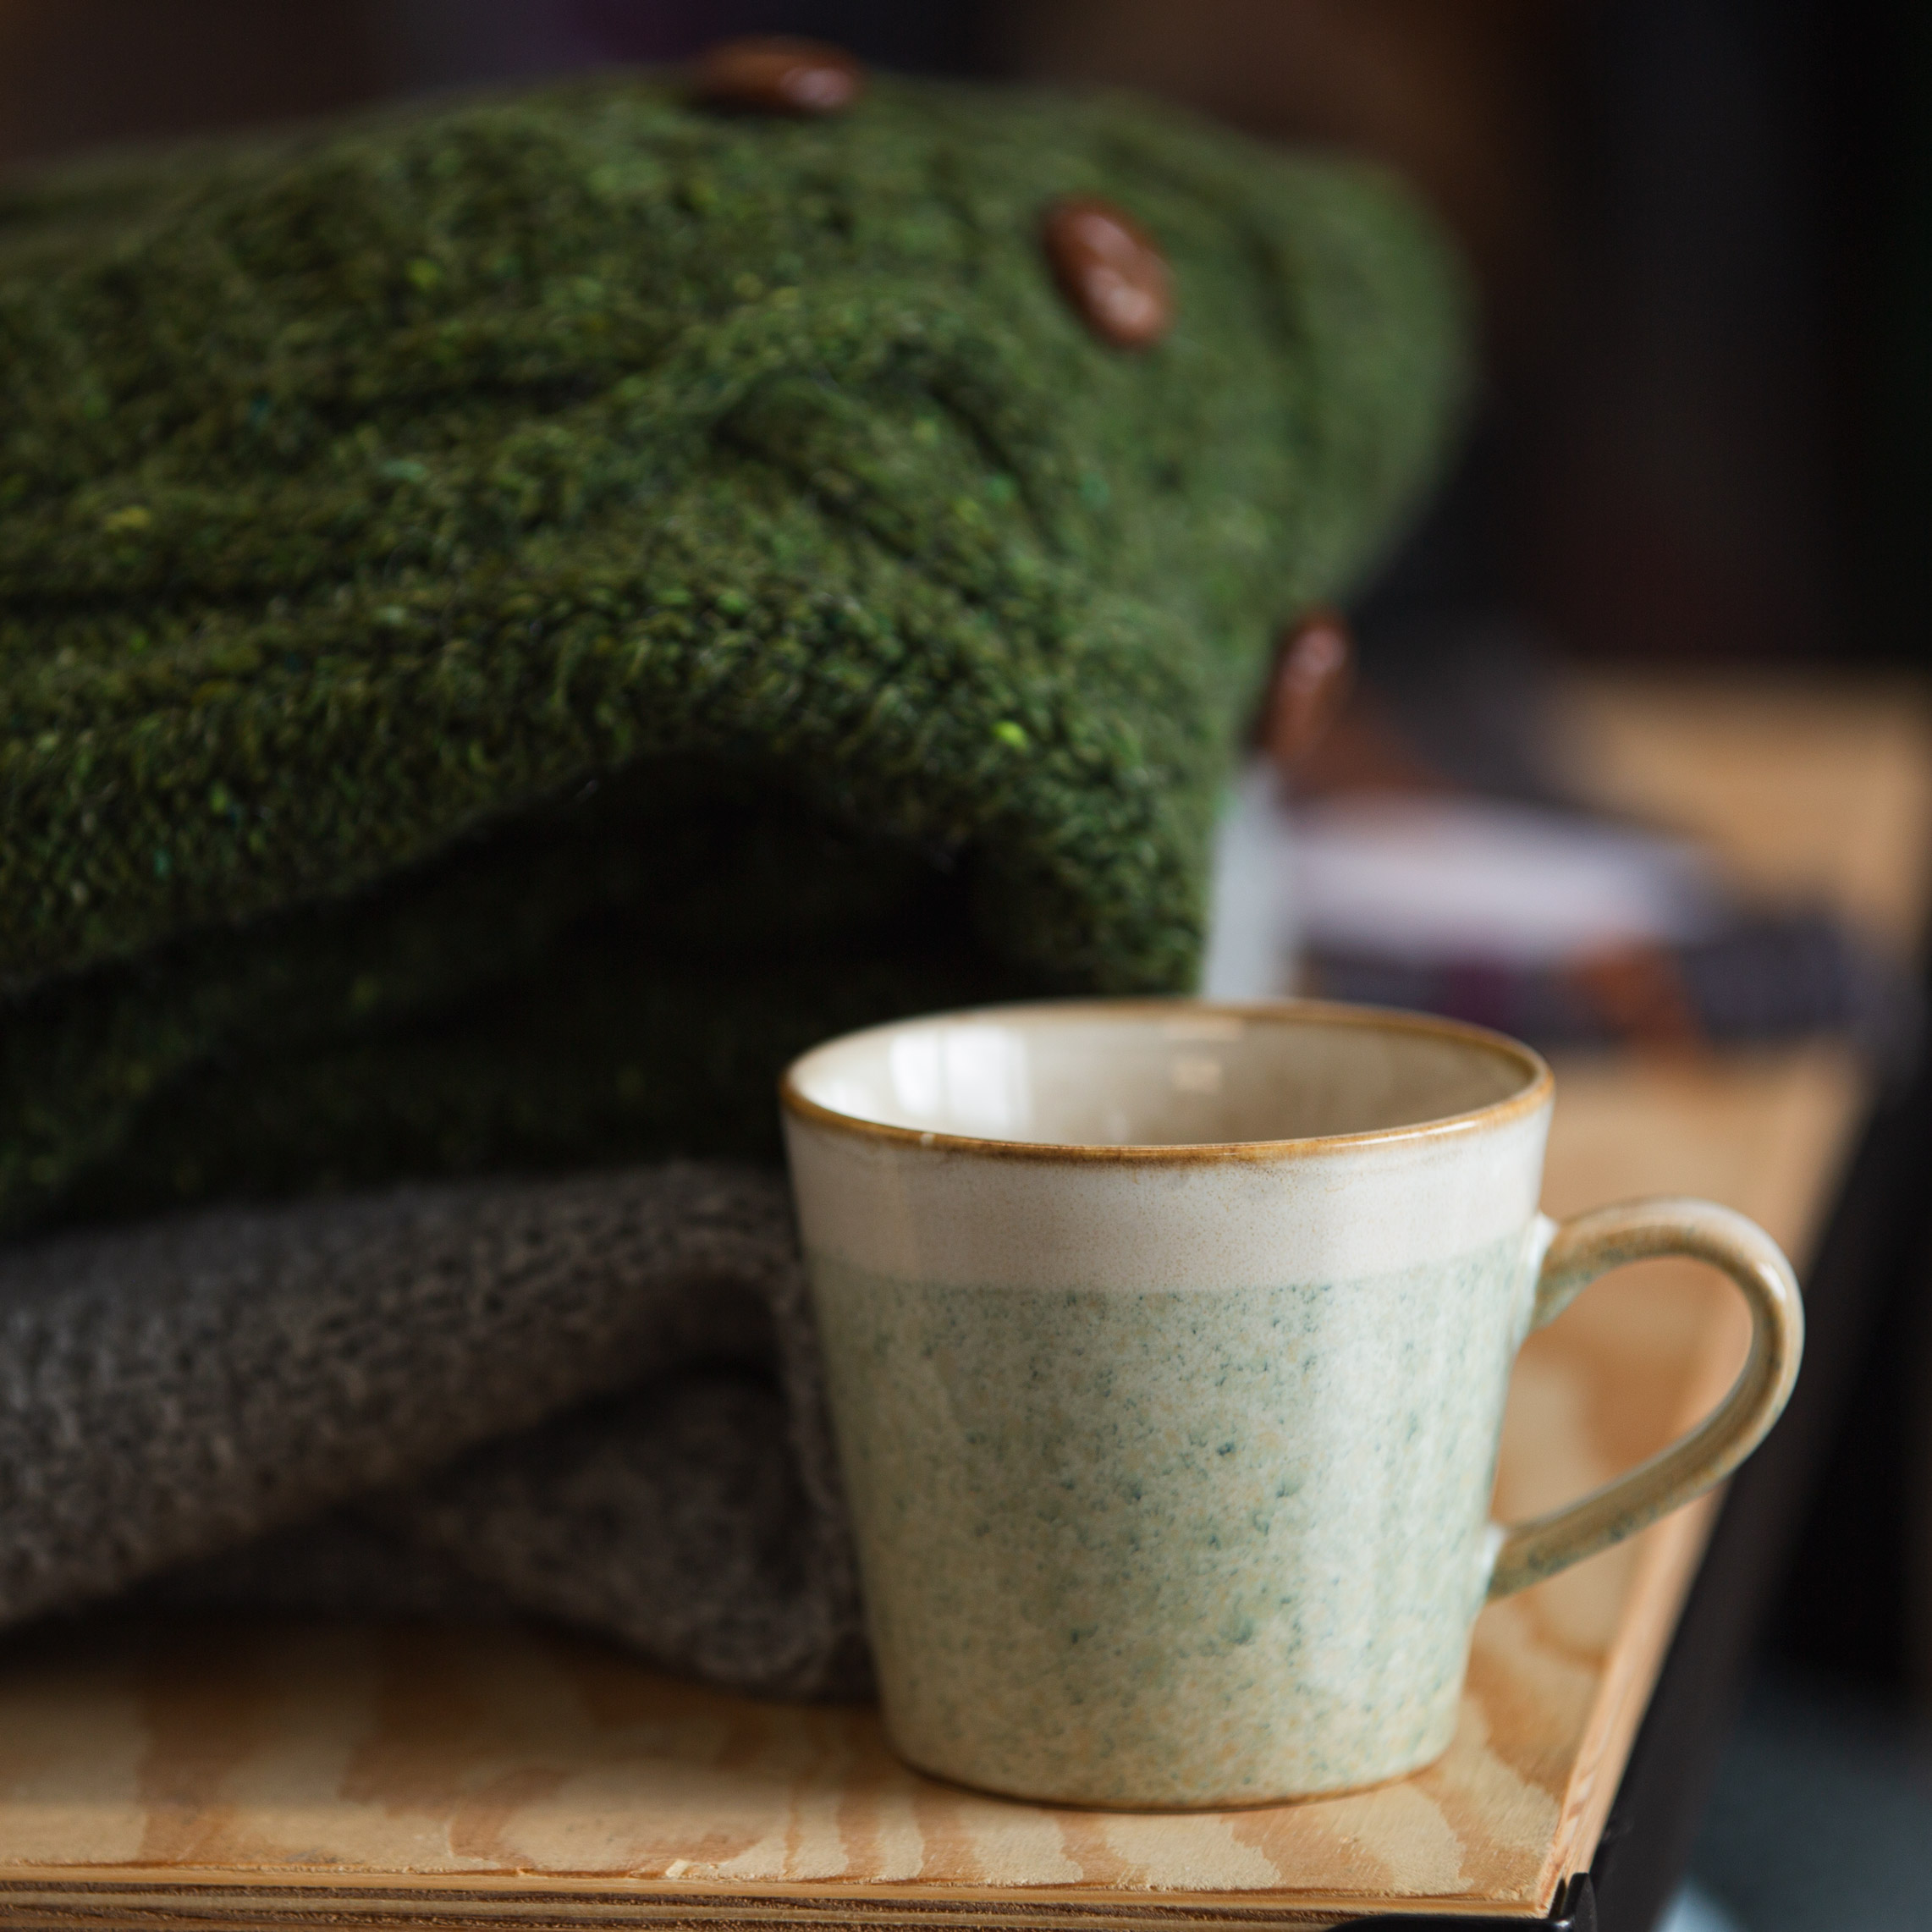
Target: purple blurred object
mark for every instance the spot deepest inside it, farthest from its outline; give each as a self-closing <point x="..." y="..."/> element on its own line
<point x="1760" y="976"/>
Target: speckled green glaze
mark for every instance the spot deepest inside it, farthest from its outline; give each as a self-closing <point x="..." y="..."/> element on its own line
<point x="1156" y="1545"/>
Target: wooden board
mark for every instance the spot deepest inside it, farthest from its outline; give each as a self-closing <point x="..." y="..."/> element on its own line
<point x="200" y="1773"/>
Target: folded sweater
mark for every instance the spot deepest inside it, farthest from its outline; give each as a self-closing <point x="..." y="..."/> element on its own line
<point x="516" y="616"/>
<point x="596" y="1400"/>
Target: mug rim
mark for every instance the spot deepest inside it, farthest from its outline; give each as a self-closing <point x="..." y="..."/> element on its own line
<point x="1538" y="1088"/>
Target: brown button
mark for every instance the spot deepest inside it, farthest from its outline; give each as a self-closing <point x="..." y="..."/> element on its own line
<point x="1109" y="267"/>
<point x="770" y="76"/>
<point x="1313" y="670"/>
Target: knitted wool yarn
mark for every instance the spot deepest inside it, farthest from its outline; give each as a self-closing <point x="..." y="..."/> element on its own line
<point x="594" y="1399"/>
<point x="516" y="618"/>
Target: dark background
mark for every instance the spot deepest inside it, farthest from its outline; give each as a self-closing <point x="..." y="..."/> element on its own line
<point x="1703" y="232"/>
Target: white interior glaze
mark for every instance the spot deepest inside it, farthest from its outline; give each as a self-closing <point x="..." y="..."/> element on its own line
<point x="1117" y="1077"/>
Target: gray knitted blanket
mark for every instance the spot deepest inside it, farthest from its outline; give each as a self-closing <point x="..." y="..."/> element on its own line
<point x="596" y="1399"/>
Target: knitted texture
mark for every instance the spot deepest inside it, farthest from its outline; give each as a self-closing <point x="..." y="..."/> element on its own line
<point x="513" y="619"/>
<point x="597" y="1399"/>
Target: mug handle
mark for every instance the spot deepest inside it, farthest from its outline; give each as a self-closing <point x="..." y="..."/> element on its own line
<point x="1578" y="1252"/>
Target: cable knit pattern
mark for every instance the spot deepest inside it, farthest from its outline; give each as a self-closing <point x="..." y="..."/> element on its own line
<point x="518" y="616"/>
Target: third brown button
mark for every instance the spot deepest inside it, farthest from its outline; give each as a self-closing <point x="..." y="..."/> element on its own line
<point x="1314" y="665"/>
<point x="769" y="74"/>
<point x="1109" y="268"/>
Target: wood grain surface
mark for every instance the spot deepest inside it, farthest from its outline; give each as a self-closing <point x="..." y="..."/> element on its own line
<point x="204" y="1773"/>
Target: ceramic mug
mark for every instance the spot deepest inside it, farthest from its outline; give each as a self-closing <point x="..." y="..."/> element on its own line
<point x="1167" y="1345"/>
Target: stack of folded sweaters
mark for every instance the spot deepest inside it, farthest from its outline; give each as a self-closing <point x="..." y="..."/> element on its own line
<point x="515" y="619"/>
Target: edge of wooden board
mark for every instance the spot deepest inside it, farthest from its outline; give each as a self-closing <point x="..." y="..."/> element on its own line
<point x="1668" y="1567"/>
<point x="235" y="1898"/>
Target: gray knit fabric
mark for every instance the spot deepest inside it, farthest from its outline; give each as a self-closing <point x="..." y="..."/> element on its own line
<point x="596" y="1399"/>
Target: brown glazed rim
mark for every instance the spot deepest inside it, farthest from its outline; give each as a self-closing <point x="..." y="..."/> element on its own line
<point x="1539" y="1083"/>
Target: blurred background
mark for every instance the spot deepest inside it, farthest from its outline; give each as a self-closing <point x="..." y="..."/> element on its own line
<point x="1707" y="432"/>
<point x="1702" y="231"/>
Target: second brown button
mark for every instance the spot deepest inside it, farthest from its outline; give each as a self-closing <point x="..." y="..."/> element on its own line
<point x="770" y="75"/>
<point x="1109" y="267"/>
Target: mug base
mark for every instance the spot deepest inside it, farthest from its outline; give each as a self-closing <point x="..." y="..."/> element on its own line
<point x="1063" y="1801"/>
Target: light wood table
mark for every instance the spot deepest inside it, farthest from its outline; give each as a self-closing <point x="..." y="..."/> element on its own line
<point x="233" y="1773"/>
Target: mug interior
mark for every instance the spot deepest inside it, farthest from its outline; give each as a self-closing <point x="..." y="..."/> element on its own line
<point x="1162" y="1075"/>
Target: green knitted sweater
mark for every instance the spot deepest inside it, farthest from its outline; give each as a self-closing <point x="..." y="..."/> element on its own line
<point x="516" y="617"/>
